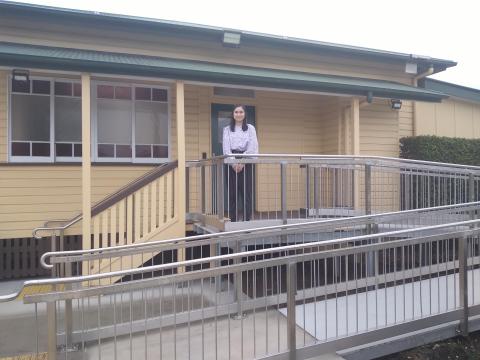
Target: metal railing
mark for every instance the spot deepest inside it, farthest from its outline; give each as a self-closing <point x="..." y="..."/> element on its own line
<point x="201" y="246"/>
<point x="131" y="214"/>
<point x="290" y="301"/>
<point x="284" y="187"/>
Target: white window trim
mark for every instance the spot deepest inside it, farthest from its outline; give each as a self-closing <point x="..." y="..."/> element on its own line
<point x="94" y="119"/>
<point x="38" y="159"/>
<point x="94" y="149"/>
<point x="65" y="158"/>
<point x="30" y="159"/>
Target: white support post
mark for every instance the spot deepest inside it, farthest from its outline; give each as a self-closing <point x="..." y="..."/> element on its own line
<point x="86" y="162"/>
<point x="181" y="181"/>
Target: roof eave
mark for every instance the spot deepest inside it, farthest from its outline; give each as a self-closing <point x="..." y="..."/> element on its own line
<point x="77" y="65"/>
<point x="291" y="41"/>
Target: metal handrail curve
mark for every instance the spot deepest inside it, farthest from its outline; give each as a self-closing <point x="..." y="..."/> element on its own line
<point x="110" y="199"/>
<point x="472" y="224"/>
<point x="287" y="157"/>
<point x="152" y="245"/>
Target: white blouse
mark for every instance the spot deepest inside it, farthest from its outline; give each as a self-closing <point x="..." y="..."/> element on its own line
<point x="245" y="141"/>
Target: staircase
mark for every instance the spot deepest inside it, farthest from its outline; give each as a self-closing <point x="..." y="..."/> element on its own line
<point x="144" y="209"/>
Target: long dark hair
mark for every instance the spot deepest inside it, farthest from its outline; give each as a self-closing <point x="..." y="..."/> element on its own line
<point x="244" y="122"/>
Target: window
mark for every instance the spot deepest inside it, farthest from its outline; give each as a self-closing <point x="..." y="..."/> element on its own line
<point x="68" y="120"/>
<point x="45" y="118"/>
<point x="31" y="119"/>
<point x="132" y="123"/>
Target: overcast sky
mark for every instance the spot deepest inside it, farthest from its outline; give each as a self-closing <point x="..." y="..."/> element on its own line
<point x="442" y="29"/>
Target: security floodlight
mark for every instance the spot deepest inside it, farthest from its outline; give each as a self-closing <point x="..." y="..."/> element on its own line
<point x="20" y="75"/>
<point x="231" y="39"/>
<point x="396" y="104"/>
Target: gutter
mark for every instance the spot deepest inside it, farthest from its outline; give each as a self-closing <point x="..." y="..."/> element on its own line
<point x="429" y="72"/>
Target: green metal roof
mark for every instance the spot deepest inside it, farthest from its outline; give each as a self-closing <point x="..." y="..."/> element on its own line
<point x="90" y="16"/>
<point x="455" y="90"/>
<point x="41" y="57"/>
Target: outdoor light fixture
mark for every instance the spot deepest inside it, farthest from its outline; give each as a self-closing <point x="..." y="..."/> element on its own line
<point x="396" y="104"/>
<point x="231" y="39"/>
<point x="20" y="75"/>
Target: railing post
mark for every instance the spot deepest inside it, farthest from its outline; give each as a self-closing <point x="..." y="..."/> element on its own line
<point x="187" y="190"/>
<point x="52" y="330"/>
<point x="238" y="285"/>
<point x="307" y="191"/>
<point x="68" y="311"/>
<point x="283" y="184"/>
<point x="202" y="188"/>
<point x="463" y="282"/>
<point x="291" y="318"/>
<point x="368" y="189"/>
<point x="371" y="258"/>
<point x="316" y="170"/>
<point x="220" y="195"/>
<point x="54" y="248"/>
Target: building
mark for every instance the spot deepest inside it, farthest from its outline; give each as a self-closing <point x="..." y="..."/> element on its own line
<point x="158" y="93"/>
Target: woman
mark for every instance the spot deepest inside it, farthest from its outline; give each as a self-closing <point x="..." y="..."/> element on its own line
<point x="239" y="138"/>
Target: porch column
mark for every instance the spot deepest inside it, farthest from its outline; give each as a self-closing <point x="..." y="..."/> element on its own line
<point x="181" y="181"/>
<point x="355" y="118"/>
<point x="355" y="126"/>
<point x="86" y="162"/>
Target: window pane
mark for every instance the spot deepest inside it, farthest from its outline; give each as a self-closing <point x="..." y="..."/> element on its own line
<point x="160" y="151"/>
<point x="21" y="86"/>
<point x="114" y="121"/>
<point x="143" y="151"/>
<point x="105" y="92"/>
<point x="63" y="88"/>
<point x="151" y="123"/>
<point x="123" y="93"/>
<point x="41" y="87"/>
<point x="40" y="149"/>
<point x="68" y="119"/>
<point x="63" y="150"/>
<point x="77" y="149"/>
<point x="124" y="151"/>
<point x="159" y="95"/>
<point x="30" y="118"/>
<point x="20" y="149"/>
<point x="142" y="93"/>
<point x="106" y="150"/>
<point x="77" y="89"/>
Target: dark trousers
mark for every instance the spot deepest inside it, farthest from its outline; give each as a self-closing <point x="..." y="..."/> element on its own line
<point x="240" y="187"/>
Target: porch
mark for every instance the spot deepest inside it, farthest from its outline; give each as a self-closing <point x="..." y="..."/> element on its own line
<point x="102" y="152"/>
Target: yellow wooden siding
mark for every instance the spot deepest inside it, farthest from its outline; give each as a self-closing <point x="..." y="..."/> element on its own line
<point x="104" y="37"/>
<point x="452" y="118"/>
<point x="379" y="130"/>
<point x="330" y="115"/>
<point x="405" y="119"/>
<point x="31" y="195"/>
<point x="3" y="116"/>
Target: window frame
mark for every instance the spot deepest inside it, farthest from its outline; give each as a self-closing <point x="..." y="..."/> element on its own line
<point x="31" y="159"/>
<point x="94" y="124"/>
<point x="94" y="118"/>
<point x="65" y="158"/>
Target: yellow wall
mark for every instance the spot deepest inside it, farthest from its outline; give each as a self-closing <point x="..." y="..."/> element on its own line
<point x="379" y="129"/>
<point x="452" y="118"/>
<point x="286" y="123"/>
<point x="106" y="37"/>
<point x="33" y="194"/>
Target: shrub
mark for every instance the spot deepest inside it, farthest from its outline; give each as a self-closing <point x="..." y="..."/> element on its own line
<point x="441" y="149"/>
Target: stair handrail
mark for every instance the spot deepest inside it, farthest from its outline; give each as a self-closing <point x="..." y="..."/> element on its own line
<point x="111" y="199"/>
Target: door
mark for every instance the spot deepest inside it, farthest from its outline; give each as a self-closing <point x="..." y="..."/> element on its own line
<point x="221" y="115"/>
